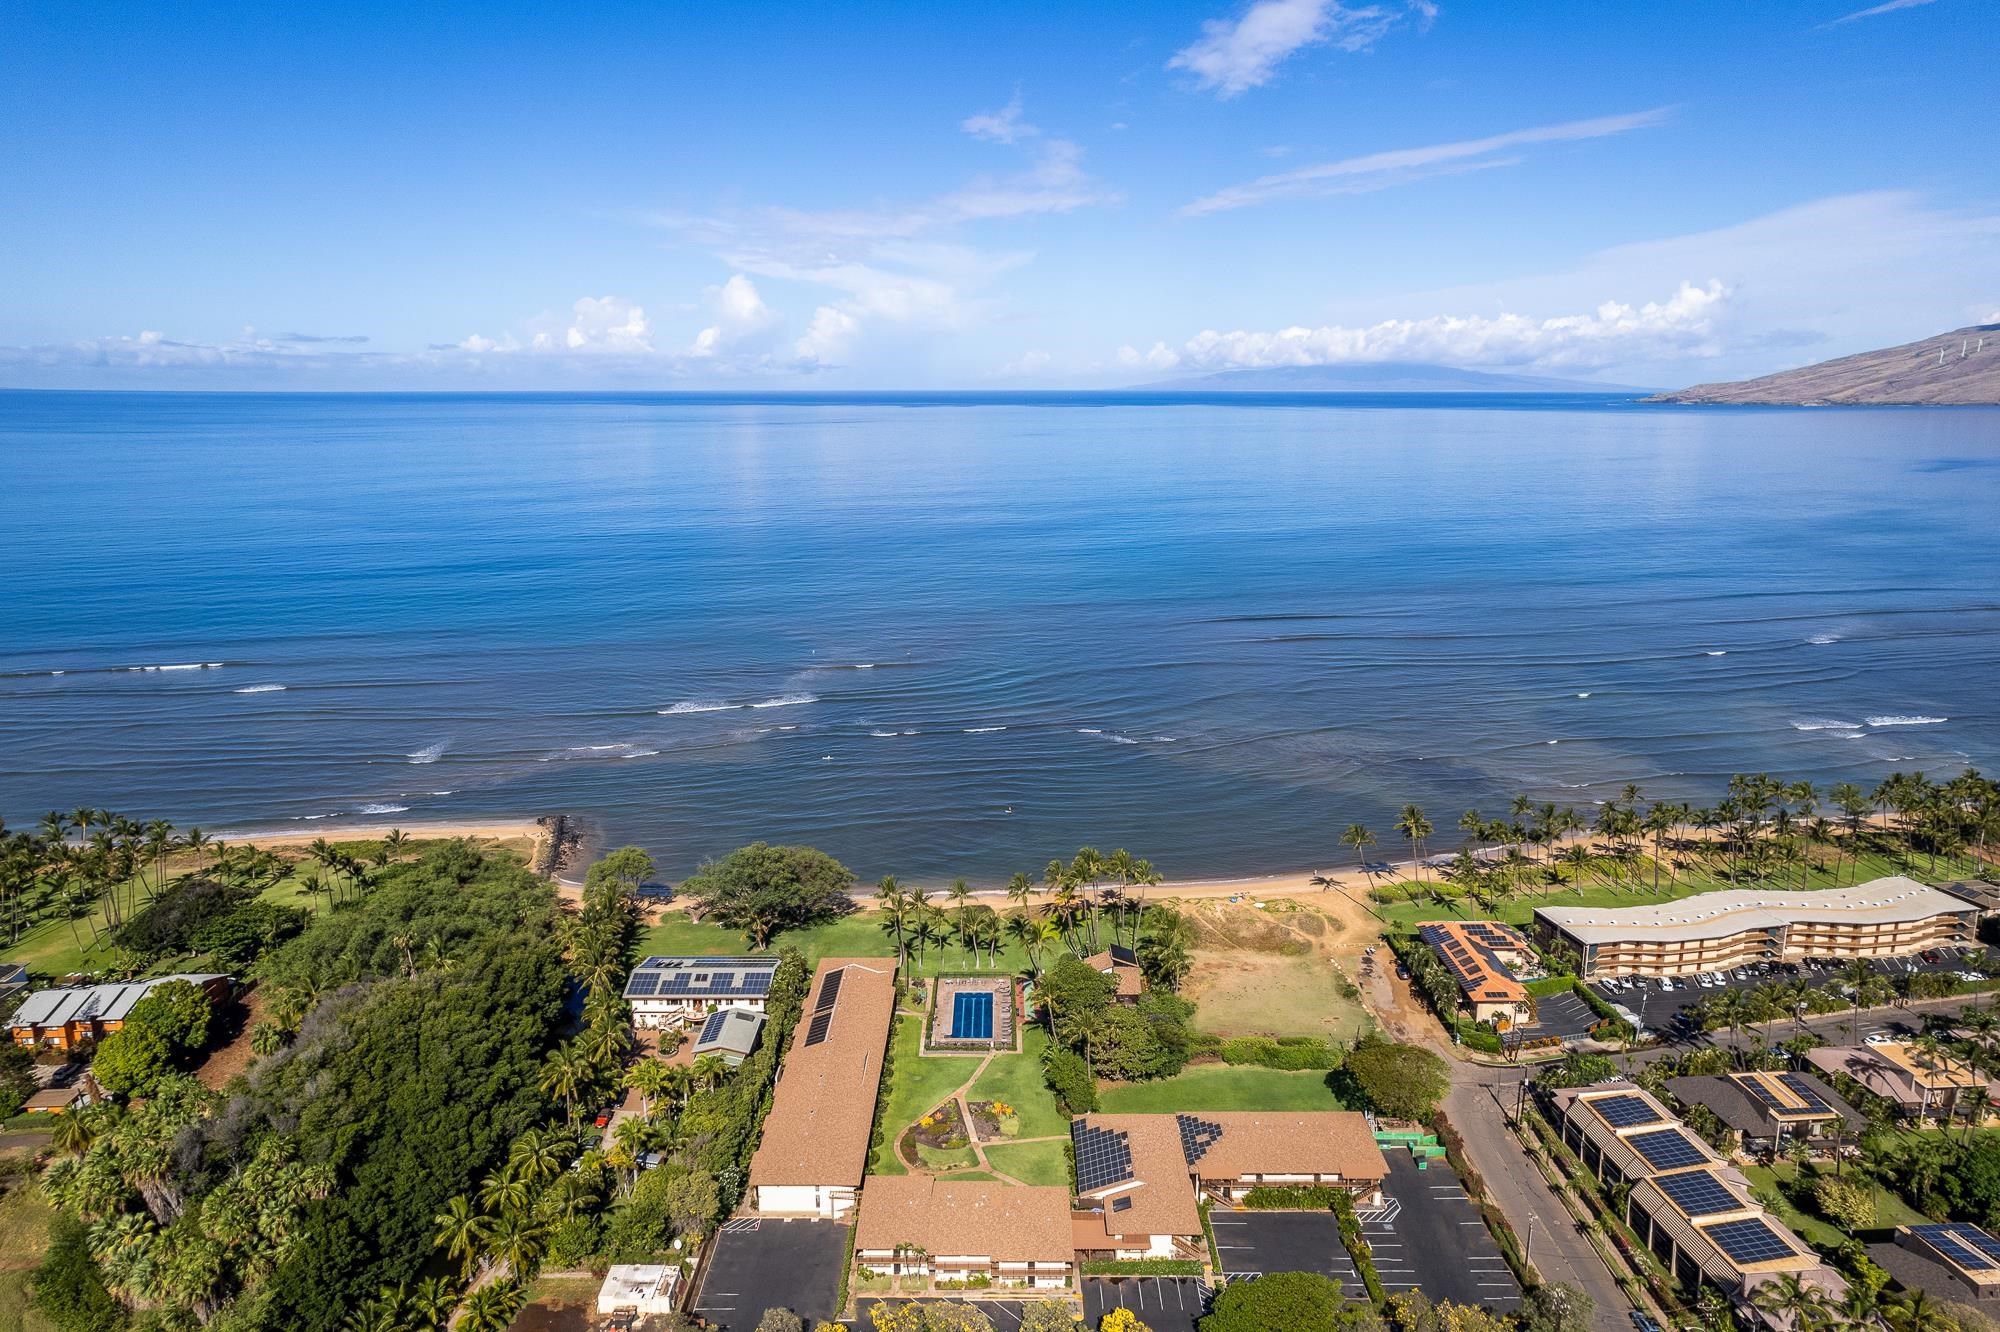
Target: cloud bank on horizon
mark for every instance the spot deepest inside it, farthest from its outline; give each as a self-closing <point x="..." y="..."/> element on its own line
<point x="1098" y="216"/>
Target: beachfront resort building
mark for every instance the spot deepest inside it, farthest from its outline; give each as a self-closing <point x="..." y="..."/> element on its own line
<point x="1143" y="1175"/>
<point x="1692" y="1209"/>
<point x="66" y="1017"/>
<point x="668" y="991"/>
<point x="814" y="1151"/>
<point x="947" y="1230"/>
<point x="1481" y="956"/>
<point x="1718" y="931"/>
<point x="1922" y="1084"/>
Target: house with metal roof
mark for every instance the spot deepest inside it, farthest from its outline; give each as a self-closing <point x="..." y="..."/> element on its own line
<point x="1481" y="956"/>
<point x="1952" y="1260"/>
<point x="668" y="991"/>
<point x="1769" y="1108"/>
<point x="730" y="1033"/>
<point x="65" y="1017"/>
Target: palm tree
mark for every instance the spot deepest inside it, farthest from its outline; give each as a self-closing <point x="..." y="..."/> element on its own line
<point x="1914" y="1311"/>
<point x="1358" y="839"/>
<point x="648" y="1077"/>
<point x="961" y="899"/>
<point x="565" y="1073"/>
<point x="461" y="1231"/>
<point x="895" y="909"/>
<point x="1020" y="888"/>
<point x="1412" y="824"/>
<point x="491" y="1308"/>
<point x="1788" y="1298"/>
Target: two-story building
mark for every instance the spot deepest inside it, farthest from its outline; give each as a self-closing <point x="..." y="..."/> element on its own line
<point x="1007" y="1234"/>
<point x="67" y="1017"/>
<point x="668" y="991"/>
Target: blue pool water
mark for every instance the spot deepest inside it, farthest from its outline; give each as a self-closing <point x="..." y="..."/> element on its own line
<point x="972" y="1016"/>
<point x="947" y="636"/>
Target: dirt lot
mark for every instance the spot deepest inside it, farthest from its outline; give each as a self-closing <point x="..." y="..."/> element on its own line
<point x="1277" y="971"/>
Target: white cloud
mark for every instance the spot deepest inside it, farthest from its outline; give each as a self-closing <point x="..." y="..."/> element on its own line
<point x="1030" y="362"/>
<point x="741" y="317"/>
<point x="604" y="323"/>
<point x="1234" y="56"/>
<point x="1400" y="166"/>
<point x="1889" y="8"/>
<point x="828" y="337"/>
<point x="1615" y="332"/>
<point x="1002" y="126"/>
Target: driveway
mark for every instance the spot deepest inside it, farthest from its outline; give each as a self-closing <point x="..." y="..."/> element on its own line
<point x="1164" y="1304"/>
<point x="763" y="1263"/>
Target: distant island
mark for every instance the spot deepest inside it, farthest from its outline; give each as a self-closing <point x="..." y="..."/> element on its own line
<point x="1956" y="369"/>
<point x="1379" y="377"/>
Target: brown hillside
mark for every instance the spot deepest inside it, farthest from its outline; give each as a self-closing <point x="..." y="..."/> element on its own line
<point x="1959" y="368"/>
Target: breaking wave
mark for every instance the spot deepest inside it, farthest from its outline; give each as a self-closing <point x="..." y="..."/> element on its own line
<point x="382" y="809"/>
<point x="787" y="701"/>
<point x="698" y="705"/>
<point x="1824" y="724"/>
<point x="259" y="689"/>
<point x="428" y="754"/>
<point x="1907" y="721"/>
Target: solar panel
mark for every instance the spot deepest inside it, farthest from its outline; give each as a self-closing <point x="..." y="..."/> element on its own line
<point x="817" y="1031"/>
<point x="1698" y="1193"/>
<point x="713" y="1027"/>
<point x="1799" y="1086"/>
<point x="1121" y="1204"/>
<point x="829" y="990"/>
<point x="1750" y="1241"/>
<point x="1103" y="1157"/>
<point x="1968" y="1246"/>
<point x="1197" y="1136"/>
<point x="1667" y="1149"/>
<point x="757" y="982"/>
<point x="722" y="981"/>
<point x="643" y="985"/>
<point x="1626" y="1111"/>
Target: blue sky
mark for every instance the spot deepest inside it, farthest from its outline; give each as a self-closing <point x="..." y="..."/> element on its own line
<point x="502" y="196"/>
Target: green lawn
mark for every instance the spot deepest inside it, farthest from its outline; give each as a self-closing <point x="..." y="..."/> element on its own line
<point x="916" y="1086"/>
<point x="1890" y="1209"/>
<point x="1638" y="890"/>
<point x="859" y="935"/>
<point x="1031" y="1162"/>
<point x="1221" y="1087"/>
<point x="1017" y="1080"/>
<point x="24" y="1229"/>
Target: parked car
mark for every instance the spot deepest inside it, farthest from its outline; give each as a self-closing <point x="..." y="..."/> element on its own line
<point x="1879" y="1038"/>
<point x="1644" y="1322"/>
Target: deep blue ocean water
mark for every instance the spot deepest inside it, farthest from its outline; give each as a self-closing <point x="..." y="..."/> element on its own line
<point x="944" y="635"/>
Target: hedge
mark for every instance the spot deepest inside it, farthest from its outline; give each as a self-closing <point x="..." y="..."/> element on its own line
<point x="1141" y="1267"/>
<point x="1294" y="1053"/>
<point x="1291" y="1198"/>
<point x="1358" y="1250"/>
<point x="1549" y="985"/>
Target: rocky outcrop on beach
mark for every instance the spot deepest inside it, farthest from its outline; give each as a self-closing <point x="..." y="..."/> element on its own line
<point x="558" y="844"/>
<point x="1956" y="369"/>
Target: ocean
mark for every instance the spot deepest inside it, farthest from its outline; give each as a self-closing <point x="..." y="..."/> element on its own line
<point x="942" y="635"/>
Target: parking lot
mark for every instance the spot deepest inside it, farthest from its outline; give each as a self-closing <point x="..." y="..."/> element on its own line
<point x="763" y="1264"/>
<point x="1436" y="1242"/>
<point x="1164" y="1304"/>
<point x="1006" y="1314"/>
<point x="1253" y="1243"/>
<point x="1657" y="1006"/>
<point x="1564" y="1016"/>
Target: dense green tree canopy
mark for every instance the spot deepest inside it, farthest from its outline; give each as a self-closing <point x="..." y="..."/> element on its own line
<point x="1401" y="1081"/>
<point x="765" y="890"/>
<point x="1277" y="1302"/>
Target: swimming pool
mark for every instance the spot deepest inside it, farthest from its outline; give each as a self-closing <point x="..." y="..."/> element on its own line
<point x="972" y="1015"/>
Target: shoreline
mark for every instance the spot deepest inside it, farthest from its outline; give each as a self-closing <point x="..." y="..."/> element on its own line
<point x="497" y="829"/>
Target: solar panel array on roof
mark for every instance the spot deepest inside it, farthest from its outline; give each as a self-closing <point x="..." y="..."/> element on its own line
<point x="757" y="982"/>
<point x="1626" y="1111"/>
<point x="713" y="1027"/>
<point x="829" y="991"/>
<point x="1968" y="1246"/>
<point x="1749" y="1241"/>
<point x="643" y="985"/>
<point x="1103" y="1156"/>
<point x="1698" y="1193"/>
<point x="1197" y="1136"/>
<point x="1667" y="1149"/>
<point x="1798" y="1085"/>
<point x="822" y="1022"/>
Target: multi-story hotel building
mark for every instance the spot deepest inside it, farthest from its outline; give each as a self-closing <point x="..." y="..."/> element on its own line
<point x="1717" y="931"/>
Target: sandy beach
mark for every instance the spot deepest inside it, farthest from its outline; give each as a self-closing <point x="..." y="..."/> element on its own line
<point x="522" y="833"/>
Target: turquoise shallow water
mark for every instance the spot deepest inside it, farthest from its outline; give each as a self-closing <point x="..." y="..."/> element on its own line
<point x="944" y="635"/>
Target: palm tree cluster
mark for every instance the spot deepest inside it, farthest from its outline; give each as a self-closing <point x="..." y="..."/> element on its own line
<point x="499" y="1235"/>
<point x="1763" y="831"/>
<point x="597" y="944"/>
<point x="113" y="1171"/>
<point x="1805" y="1307"/>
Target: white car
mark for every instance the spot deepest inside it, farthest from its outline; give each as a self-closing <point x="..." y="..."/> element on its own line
<point x="1879" y="1038"/>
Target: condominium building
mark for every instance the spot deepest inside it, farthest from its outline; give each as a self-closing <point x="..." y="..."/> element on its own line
<point x="1481" y="956"/>
<point x="965" y="1231"/>
<point x="1718" y="931"/>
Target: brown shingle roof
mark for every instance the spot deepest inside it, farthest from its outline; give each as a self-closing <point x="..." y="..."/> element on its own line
<point x="1120" y="967"/>
<point x="823" y="1111"/>
<point x="1161" y="1189"/>
<point x="1004" y="1222"/>
<point x="1313" y="1142"/>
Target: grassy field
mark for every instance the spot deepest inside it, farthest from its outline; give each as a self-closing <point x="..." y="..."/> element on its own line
<point x="1276" y="971"/>
<point x="916" y="1086"/>
<point x="1031" y="1162"/>
<point x="1890" y="1209"/>
<point x="24" y="1227"/>
<point x="1221" y="1087"/>
<point x="1017" y="1080"/>
<point x="1638" y="890"/>
<point x="61" y="946"/>
<point x="859" y="935"/>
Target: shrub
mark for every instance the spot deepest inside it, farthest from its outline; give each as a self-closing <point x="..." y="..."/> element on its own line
<point x="1069" y="1078"/>
<point x="1295" y="1198"/>
<point x="1291" y="1052"/>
